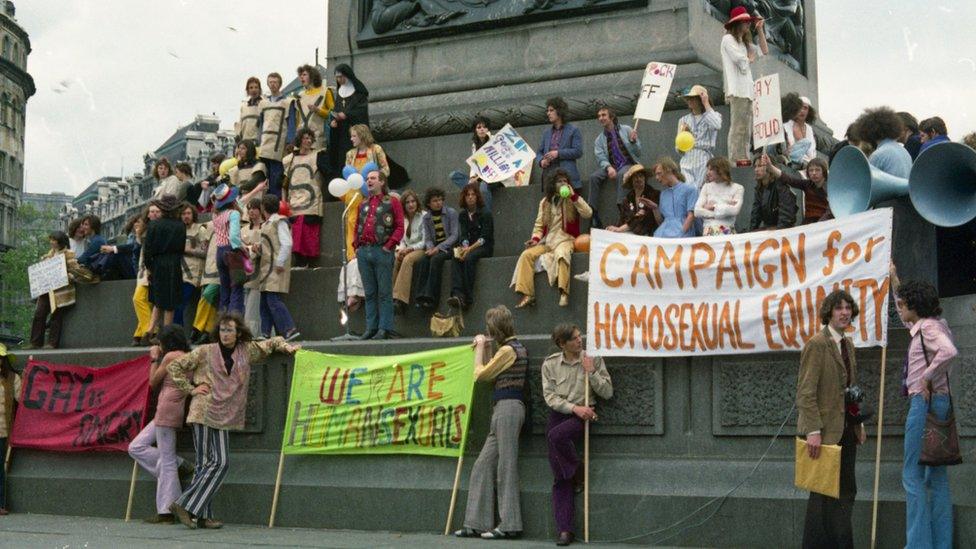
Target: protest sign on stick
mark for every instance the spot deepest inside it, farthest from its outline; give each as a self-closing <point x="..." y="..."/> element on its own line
<point x="748" y="293"/>
<point x="654" y="91"/>
<point x="767" y="112"/>
<point x="45" y="276"/>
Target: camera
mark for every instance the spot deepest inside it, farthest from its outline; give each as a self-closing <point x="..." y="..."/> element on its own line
<point x="853" y="395"/>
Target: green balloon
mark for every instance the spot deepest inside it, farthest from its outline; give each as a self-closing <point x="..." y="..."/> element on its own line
<point x="564" y="191"/>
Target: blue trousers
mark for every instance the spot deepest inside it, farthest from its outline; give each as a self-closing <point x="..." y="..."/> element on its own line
<point x="231" y="295"/>
<point x="376" y="270"/>
<point x="276" y="172"/>
<point x="927" y="501"/>
<point x="187" y="295"/>
<point x="275" y="314"/>
<point x="461" y="179"/>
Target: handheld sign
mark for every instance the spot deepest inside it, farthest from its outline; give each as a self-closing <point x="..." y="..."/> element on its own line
<point x="45" y="276"/>
<point x="767" y="112"/>
<point x="506" y="158"/>
<point x="654" y="91"/>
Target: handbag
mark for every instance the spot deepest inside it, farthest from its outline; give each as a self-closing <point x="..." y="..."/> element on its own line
<point x="442" y="325"/>
<point x="940" y="439"/>
<point x="240" y="266"/>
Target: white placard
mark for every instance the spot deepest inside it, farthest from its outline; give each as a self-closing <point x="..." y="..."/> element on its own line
<point x="767" y="112"/>
<point x="47" y="275"/>
<point x="654" y="90"/>
<point x="506" y="158"/>
<point x="748" y="293"/>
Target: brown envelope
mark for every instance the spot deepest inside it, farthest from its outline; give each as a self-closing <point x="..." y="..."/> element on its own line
<point x="821" y="475"/>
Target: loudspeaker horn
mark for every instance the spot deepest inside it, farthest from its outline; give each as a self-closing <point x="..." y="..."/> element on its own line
<point x="854" y="186"/>
<point x="943" y="184"/>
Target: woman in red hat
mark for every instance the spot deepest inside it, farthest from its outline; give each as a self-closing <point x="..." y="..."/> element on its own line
<point x="738" y="52"/>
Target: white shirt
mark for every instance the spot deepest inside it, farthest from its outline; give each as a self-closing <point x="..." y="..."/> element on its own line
<point x="727" y="199"/>
<point x="736" y="71"/>
<point x="812" y="151"/>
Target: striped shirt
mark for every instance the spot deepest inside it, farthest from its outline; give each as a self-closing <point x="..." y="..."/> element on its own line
<point x="704" y="127"/>
<point x="440" y="235"/>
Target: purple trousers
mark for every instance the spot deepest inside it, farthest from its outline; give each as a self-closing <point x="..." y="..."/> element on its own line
<point x="562" y="434"/>
<point x="160" y="460"/>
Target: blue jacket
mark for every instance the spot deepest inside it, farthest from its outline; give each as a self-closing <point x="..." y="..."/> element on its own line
<point x="449" y="216"/>
<point x="932" y="142"/>
<point x="570" y="148"/>
<point x="602" y="151"/>
<point x="93" y="248"/>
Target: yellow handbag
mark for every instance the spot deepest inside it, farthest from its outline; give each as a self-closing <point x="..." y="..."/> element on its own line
<point x="442" y="325"/>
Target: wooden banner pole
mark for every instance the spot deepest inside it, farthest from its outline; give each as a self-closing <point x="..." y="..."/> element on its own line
<point x="6" y="458"/>
<point x="877" y="455"/>
<point x="277" y="489"/>
<point x="586" y="464"/>
<point x="454" y="491"/>
<point x="132" y="490"/>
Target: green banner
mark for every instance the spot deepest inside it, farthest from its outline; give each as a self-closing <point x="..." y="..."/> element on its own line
<point x="402" y="404"/>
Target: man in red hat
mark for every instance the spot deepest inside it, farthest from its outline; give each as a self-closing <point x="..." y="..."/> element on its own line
<point x="738" y="53"/>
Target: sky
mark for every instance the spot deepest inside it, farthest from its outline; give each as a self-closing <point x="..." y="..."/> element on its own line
<point x="116" y="78"/>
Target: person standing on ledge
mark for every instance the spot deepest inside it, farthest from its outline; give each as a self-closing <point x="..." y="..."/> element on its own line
<point x="925" y="381"/>
<point x="497" y="463"/>
<point x="829" y="414"/>
<point x="561" y="144"/>
<point x="351" y="108"/>
<point x="738" y="53"/>
<point x="617" y="148"/>
<point x="379" y="229"/>
<point x="277" y="128"/>
<point x="704" y="123"/>
<point x="563" y="387"/>
<point x="216" y="376"/>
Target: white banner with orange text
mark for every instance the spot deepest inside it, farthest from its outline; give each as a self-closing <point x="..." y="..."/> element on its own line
<point x="749" y="293"/>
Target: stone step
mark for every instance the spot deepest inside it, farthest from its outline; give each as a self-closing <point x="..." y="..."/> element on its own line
<point x="104" y="317"/>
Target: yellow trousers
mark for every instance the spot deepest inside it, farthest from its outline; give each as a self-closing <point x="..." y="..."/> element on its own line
<point x="525" y="269"/>
<point x="206" y="317"/>
<point x="140" y="302"/>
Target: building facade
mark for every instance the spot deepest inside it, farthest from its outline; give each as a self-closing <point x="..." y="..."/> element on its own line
<point x="47" y="207"/>
<point x="16" y="87"/>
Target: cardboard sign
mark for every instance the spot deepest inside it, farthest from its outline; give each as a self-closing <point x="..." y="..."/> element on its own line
<point x="506" y="158"/>
<point x="45" y="276"/>
<point x="654" y="91"/>
<point x="747" y="293"/>
<point x="767" y="112"/>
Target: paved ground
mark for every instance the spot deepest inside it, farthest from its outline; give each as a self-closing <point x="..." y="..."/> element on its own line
<point x="50" y="531"/>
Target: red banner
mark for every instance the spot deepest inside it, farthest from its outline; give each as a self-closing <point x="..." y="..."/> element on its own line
<point x="68" y="408"/>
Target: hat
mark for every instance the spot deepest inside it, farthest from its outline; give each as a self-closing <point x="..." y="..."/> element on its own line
<point x="634" y="170"/>
<point x="739" y="14"/>
<point x="166" y="203"/>
<point x="224" y="194"/>
<point x="806" y="100"/>
<point x="694" y="91"/>
<point x="3" y="353"/>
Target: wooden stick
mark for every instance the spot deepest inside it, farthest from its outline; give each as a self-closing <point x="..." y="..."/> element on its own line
<point x="6" y="458"/>
<point x="277" y="489"/>
<point x="132" y="490"/>
<point x="636" y="123"/>
<point x="586" y="463"/>
<point x="454" y="491"/>
<point x="877" y="455"/>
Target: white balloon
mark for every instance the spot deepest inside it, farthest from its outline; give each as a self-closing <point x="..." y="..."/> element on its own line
<point x="355" y="181"/>
<point x="337" y="187"/>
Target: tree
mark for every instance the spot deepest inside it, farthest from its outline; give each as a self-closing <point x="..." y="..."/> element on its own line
<point x="16" y="307"/>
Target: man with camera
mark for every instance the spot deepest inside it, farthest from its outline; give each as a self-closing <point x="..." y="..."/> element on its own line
<point x="829" y="404"/>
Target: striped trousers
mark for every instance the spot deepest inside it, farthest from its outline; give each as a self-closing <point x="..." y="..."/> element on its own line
<point x="212" y="452"/>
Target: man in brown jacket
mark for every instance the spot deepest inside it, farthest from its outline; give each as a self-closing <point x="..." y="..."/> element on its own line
<point x="827" y="371"/>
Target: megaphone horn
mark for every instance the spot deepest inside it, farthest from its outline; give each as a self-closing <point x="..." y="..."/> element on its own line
<point x="943" y="184"/>
<point x="855" y="186"/>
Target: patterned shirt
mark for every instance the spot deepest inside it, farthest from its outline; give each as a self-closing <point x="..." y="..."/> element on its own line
<point x="618" y="153"/>
<point x="439" y="234"/>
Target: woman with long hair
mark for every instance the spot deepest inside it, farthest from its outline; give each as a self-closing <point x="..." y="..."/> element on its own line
<point x="154" y="448"/>
<point x="166" y="180"/>
<point x="497" y="464"/>
<point x="799" y="113"/>
<point x="303" y="192"/>
<point x="774" y="204"/>
<point x="477" y="240"/>
<point x="76" y="237"/>
<point x="480" y="134"/>
<point x="50" y="308"/>
<point x="250" y="174"/>
<point x="720" y="199"/>
<point x="163" y="257"/>
<point x="365" y="150"/>
<point x="216" y="377"/>
<point x="9" y="392"/>
<point x="226" y="226"/>
<point x="738" y="53"/>
<point x="557" y="224"/>
<point x="409" y="251"/>
<point x="637" y="209"/>
<point x="247" y="126"/>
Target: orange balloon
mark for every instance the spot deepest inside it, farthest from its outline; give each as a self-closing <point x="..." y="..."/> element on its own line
<point x="582" y="244"/>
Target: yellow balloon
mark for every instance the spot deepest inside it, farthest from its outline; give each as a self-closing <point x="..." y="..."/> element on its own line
<point x="226" y="165"/>
<point x="684" y="141"/>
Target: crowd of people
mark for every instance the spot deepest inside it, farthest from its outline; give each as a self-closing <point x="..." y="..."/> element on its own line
<point x="226" y="247"/>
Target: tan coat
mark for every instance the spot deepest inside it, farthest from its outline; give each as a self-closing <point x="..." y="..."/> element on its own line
<point x="273" y="128"/>
<point x="210" y="274"/>
<point x="197" y="237"/>
<point x="240" y="176"/>
<point x="65" y="296"/>
<point x="269" y="279"/>
<point x="247" y="126"/>
<point x="820" y="387"/>
<point x="252" y="237"/>
<point x="304" y="184"/>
